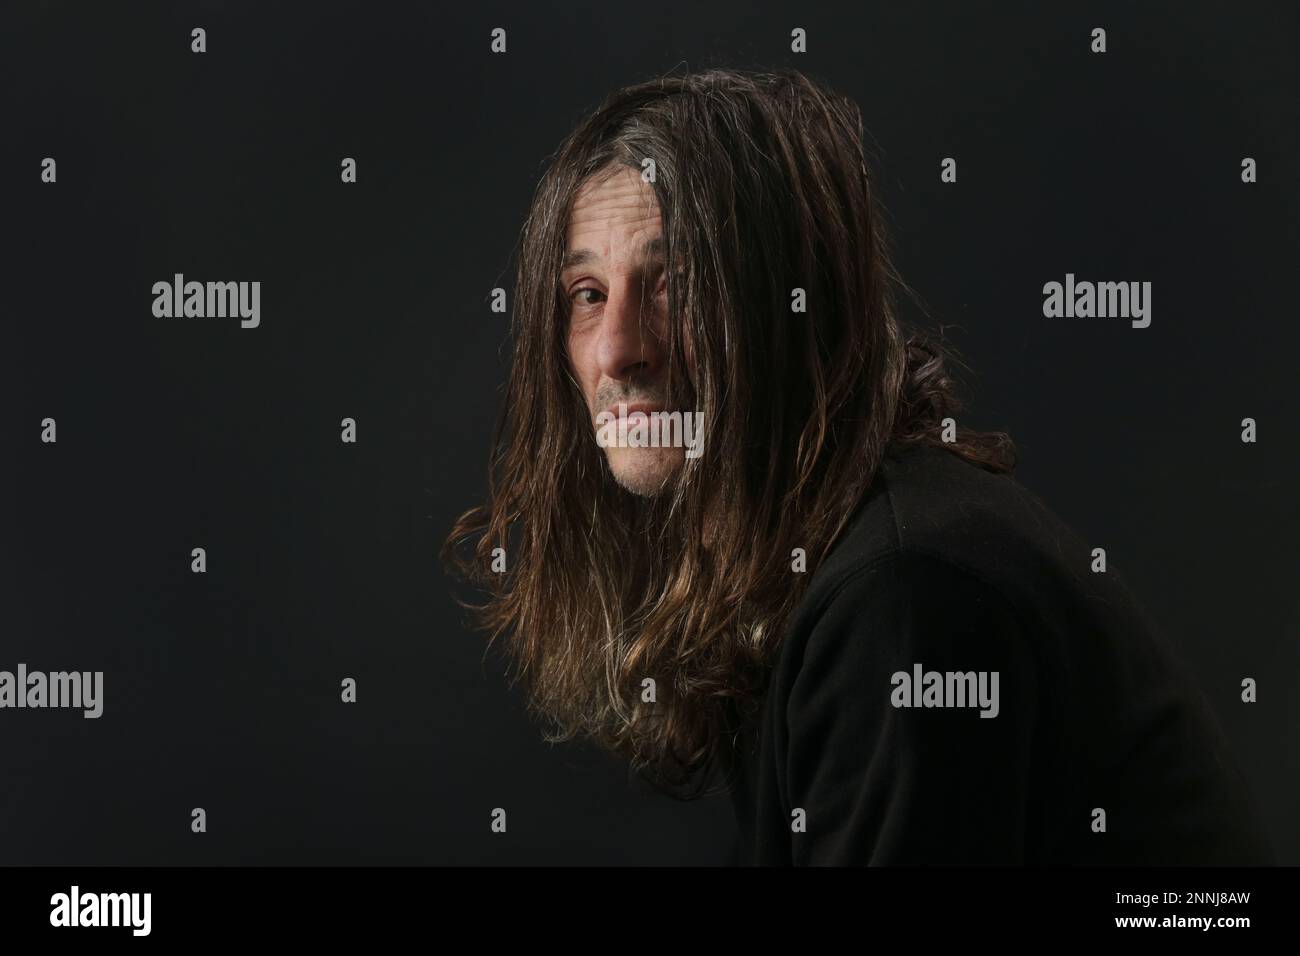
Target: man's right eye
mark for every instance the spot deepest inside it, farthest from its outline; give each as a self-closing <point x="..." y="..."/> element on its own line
<point x="579" y="292"/>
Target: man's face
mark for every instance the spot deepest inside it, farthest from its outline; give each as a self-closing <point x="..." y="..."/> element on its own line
<point x="616" y="285"/>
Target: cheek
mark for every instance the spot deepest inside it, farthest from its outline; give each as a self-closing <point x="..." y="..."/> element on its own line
<point x="577" y="349"/>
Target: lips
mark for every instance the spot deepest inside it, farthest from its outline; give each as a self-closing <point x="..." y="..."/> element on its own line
<point x="646" y="408"/>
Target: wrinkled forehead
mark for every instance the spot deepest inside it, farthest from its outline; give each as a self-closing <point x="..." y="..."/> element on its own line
<point x="615" y="183"/>
<point x="610" y="207"/>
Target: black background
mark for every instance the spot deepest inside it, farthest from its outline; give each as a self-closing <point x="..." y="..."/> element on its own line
<point x="222" y="689"/>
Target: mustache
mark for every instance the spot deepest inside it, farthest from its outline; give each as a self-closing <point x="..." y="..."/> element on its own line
<point x="613" y="395"/>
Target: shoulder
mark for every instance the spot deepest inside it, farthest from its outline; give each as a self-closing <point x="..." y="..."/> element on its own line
<point x="933" y="524"/>
<point x="927" y="500"/>
<point x="898" y="611"/>
<point x="948" y="561"/>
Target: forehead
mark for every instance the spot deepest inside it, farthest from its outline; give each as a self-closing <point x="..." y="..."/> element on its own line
<point x="613" y="214"/>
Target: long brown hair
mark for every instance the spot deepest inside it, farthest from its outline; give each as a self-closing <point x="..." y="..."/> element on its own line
<point x="763" y="187"/>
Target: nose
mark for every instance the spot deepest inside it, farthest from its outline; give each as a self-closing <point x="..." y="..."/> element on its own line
<point x="631" y="345"/>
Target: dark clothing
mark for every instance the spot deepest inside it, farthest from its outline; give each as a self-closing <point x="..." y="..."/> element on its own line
<point x="951" y="568"/>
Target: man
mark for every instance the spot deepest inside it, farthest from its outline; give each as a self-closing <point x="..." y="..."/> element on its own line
<point x="824" y="586"/>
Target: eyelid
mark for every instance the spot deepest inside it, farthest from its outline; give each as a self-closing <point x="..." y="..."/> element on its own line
<point x="660" y="284"/>
<point x="579" y="285"/>
<point x="573" y="296"/>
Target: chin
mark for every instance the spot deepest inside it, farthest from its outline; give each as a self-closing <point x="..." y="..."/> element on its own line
<point x="644" y="471"/>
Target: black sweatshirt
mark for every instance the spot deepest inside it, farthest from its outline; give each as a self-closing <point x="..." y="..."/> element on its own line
<point x="1096" y="747"/>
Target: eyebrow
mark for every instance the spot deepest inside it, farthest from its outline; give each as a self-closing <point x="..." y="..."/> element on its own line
<point x="654" y="249"/>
